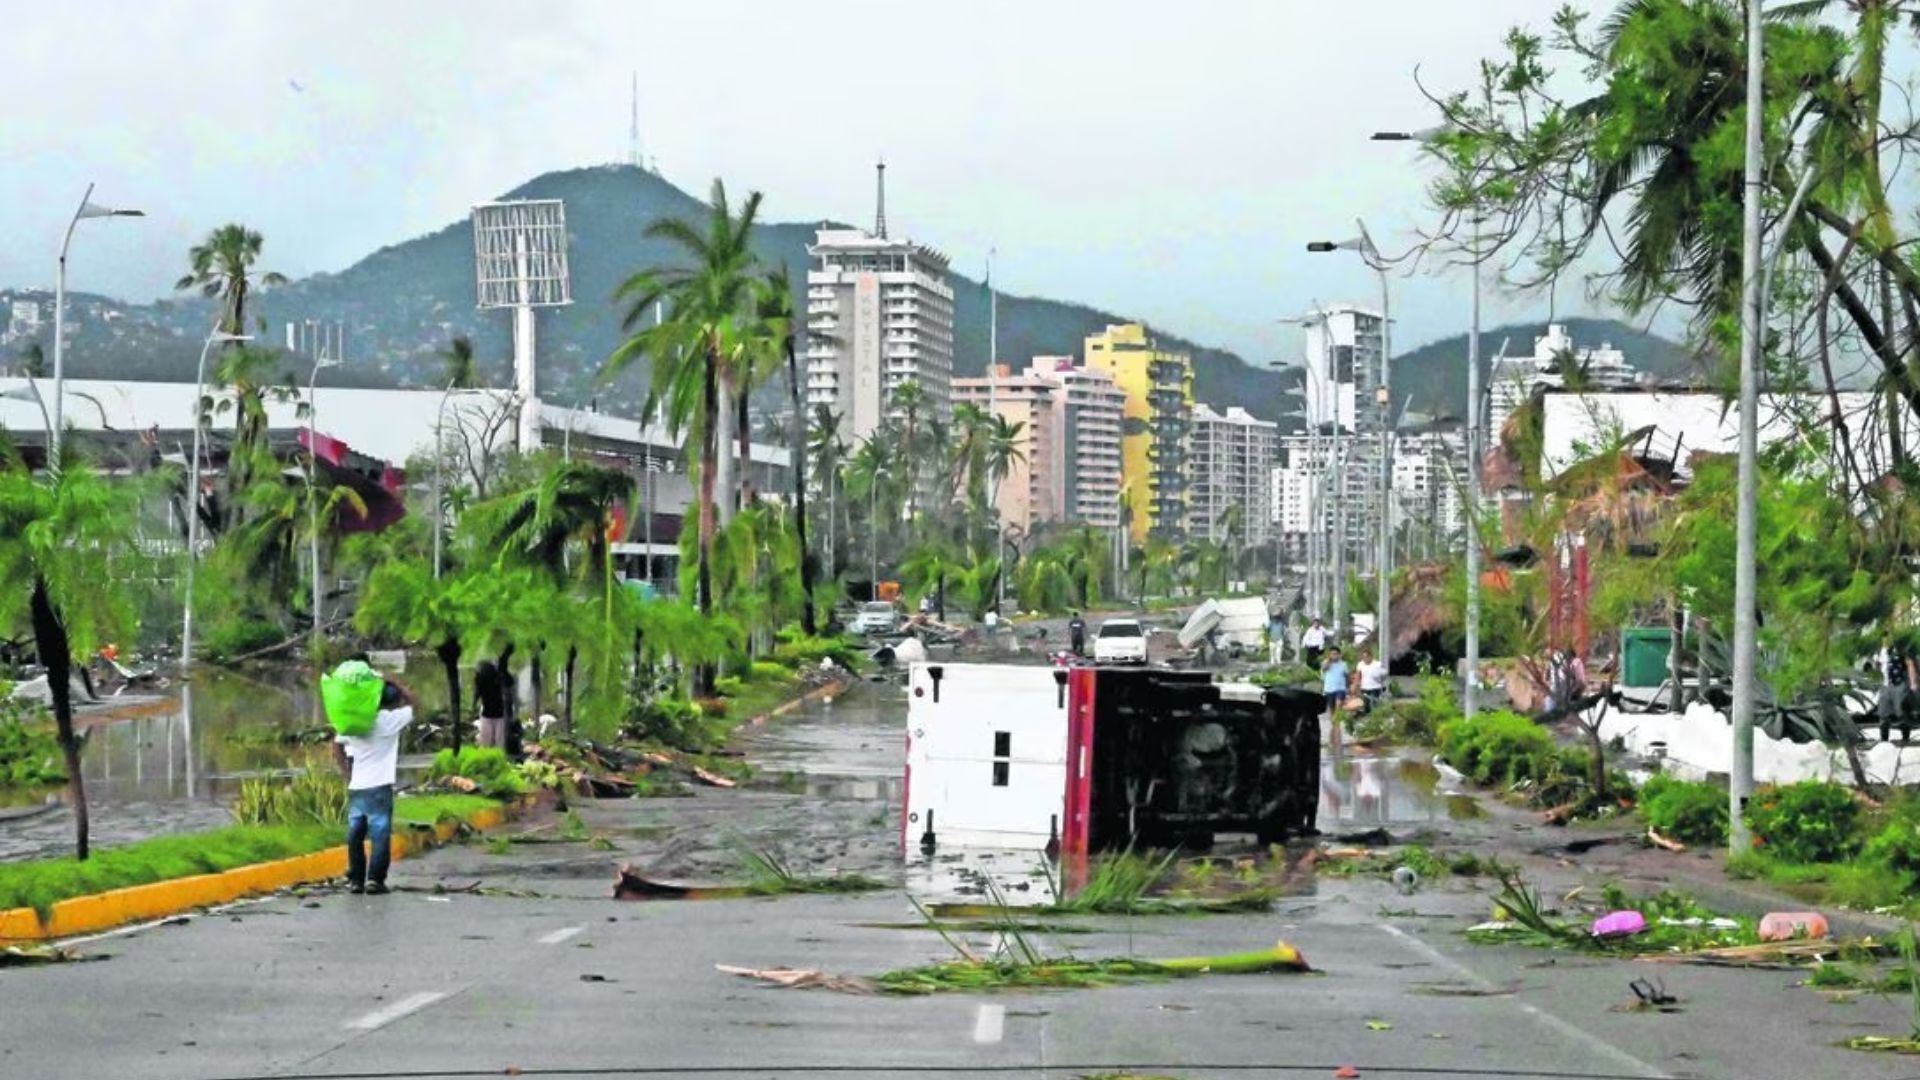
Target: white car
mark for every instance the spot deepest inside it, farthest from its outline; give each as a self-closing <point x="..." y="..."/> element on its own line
<point x="875" y="617"/>
<point x="1120" y="641"/>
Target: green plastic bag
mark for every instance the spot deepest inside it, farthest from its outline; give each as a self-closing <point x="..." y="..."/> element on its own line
<point x="351" y="694"/>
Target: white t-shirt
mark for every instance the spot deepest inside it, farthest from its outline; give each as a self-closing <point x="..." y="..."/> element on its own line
<point x="1313" y="637"/>
<point x="376" y="757"/>
<point x="1373" y="675"/>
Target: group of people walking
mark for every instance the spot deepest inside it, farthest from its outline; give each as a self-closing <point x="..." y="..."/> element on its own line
<point x="1340" y="682"/>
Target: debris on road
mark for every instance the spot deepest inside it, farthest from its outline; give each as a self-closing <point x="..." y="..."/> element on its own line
<point x="803" y="979"/>
<point x="1619" y="924"/>
<point x="1792" y="925"/>
<point x="30" y="955"/>
<point x="1028" y="971"/>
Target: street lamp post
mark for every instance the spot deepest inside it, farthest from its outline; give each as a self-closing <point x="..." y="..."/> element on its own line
<point x="1364" y="246"/>
<point x="216" y="336"/>
<point x="1474" y="440"/>
<point x="1745" y="630"/>
<point x="873" y="534"/>
<point x="313" y="496"/>
<point x="86" y="210"/>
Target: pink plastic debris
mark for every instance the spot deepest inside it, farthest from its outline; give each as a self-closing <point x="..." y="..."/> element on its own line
<point x="1787" y="925"/>
<point x="1619" y="924"/>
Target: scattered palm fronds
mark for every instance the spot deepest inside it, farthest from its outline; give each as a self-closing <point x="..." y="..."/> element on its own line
<point x="769" y="875"/>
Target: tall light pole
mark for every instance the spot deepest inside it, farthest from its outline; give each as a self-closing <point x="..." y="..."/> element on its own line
<point x="1744" y="585"/>
<point x="1364" y="246"/>
<point x="86" y="210"/>
<point x="214" y="337"/>
<point x="313" y="496"/>
<point x="1470" y="693"/>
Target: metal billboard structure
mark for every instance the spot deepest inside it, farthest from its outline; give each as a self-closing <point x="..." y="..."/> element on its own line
<point x="520" y="263"/>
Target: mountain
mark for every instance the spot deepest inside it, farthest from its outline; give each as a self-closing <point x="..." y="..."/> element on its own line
<point x="1433" y="378"/>
<point x="401" y="304"/>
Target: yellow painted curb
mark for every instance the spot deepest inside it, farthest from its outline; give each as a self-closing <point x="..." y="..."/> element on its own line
<point x="159" y="899"/>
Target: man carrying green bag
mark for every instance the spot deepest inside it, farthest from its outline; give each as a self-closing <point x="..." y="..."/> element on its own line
<point x="370" y="760"/>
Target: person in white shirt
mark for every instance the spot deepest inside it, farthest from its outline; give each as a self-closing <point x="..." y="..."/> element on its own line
<point x="1313" y="642"/>
<point x="371" y="762"/>
<point x="1373" y="679"/>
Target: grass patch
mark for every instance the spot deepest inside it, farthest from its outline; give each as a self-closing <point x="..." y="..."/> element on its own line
<point x="430" y="809"/>
<point x="41" y="883"/>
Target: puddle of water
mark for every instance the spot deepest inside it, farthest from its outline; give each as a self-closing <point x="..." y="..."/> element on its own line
<point x="973" y="875"/>
<point x="1359" y="789"/>
<point x="224" y="727"/>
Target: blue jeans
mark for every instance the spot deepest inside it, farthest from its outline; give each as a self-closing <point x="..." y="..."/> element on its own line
<point x="369" y="815"/>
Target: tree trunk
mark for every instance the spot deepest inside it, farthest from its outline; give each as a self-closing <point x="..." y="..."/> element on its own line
<point x="538" y="679"/>
<point x="1677" y="623"/>
<point x="940" y="595"/>
<point x="724" y="480"/>
<point x="449" y="653"/>
<point x="703" y="675"/>
<point x="566" y="715"/>
<point x="799" y="466"/>
<point x="743" y="424"/>
<point x="50" y="641"/>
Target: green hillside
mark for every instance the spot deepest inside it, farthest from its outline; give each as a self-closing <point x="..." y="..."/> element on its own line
<point x="402" y="303"/>
<point x="1434" y="376"/>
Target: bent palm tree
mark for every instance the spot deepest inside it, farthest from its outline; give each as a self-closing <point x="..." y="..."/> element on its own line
<point x="458" y="365"/>
<point x="59" y="540"/>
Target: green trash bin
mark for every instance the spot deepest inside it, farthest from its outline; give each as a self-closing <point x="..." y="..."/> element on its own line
<point x="1643" y="655"/>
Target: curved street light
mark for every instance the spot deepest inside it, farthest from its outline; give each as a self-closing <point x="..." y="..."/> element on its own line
<point x="86" y="210"/>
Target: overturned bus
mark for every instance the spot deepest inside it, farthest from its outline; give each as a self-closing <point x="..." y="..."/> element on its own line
<point x="1093" y="758"/>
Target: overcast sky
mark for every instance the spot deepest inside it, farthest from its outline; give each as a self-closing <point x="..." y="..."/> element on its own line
<point x="1163" y="159"/>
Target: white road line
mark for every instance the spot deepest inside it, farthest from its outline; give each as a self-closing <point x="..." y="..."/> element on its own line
<point x="989" y="1023"/>
<point x="1546" y="1018"/>
<point x="560" y="935"/>
<point x="380" y="1018"/>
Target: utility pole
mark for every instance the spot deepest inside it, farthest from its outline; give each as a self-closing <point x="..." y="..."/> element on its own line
<point x="1744" y="584"/>
<point x="1470" y="697"/>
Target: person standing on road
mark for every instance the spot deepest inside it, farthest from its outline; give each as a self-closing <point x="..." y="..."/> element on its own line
<point x="1333" y="683"/>
<point x="489" y="690"/>
<point x="371" y="762"/>
<point x="1077" y="634"/>
<point x="1373" y="680"/>
<point x="1897" y="680"/>
<point x="1313" y="642"/>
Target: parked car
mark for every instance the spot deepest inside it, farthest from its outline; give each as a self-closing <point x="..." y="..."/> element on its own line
<point x="875" y="617"/>
<point x="1120" y="641"/>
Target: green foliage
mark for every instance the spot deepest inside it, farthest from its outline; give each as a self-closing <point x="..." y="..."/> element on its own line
<point x="29" y="753"/>
<point x="40" y="883"/>
<point x="1808" y="822"/>
<point x="238" y="635"/>
<point x="1689" y="811"/>
<point x="75" y="534"/>
<point x="432" y="809"/>
<point x="1288" y="674"/>
<point x="313" y="797"/>
<point x="1497" y="748"/>
<point x="488" y="767"/>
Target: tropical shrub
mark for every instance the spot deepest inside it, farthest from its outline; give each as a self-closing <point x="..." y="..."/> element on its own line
<point x="1690" y="811"/>
<point x="488" y="767"/>
<point x="1812" y="821"/>
<point x="29" y="752"/>
<point x="314" y="797"/>
<point x="1497" y="748"/>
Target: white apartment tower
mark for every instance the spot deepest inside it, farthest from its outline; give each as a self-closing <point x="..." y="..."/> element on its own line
<point x="879" y="316"/>
<point x="1230" y="461"/>
<point x="1092" y="414"/>
<point x="1513" y="380"/>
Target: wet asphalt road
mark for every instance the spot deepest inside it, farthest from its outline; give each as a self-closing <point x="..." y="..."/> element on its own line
<point x="542" y="972"/>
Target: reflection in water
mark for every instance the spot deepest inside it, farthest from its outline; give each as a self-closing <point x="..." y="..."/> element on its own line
<point x="226" y="727"/>
<point x="1361" y="789"/>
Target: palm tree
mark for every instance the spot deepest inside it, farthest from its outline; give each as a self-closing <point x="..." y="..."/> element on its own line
<point x="222" y="267"/>
<point x="909" y="400"/>
<point x="59" y="541"/>
<point x="457" y="364"/>
<point x="694" y="349"/>
<point x="927" y="568"/>
<point x="1003" y="452"/>
<point x="874" y="477"/>
<point x="248" y="376"/>
<point x="404" y="600"/>
<point x="778" y="322"/>
<point x="828" y="453"/>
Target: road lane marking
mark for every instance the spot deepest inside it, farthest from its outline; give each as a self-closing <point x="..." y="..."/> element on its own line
<point x="1591" y="1040"/>
<point x="560" y="935"/>
<point x="380" y="1018"/>
<point x="989" y="1023"/>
